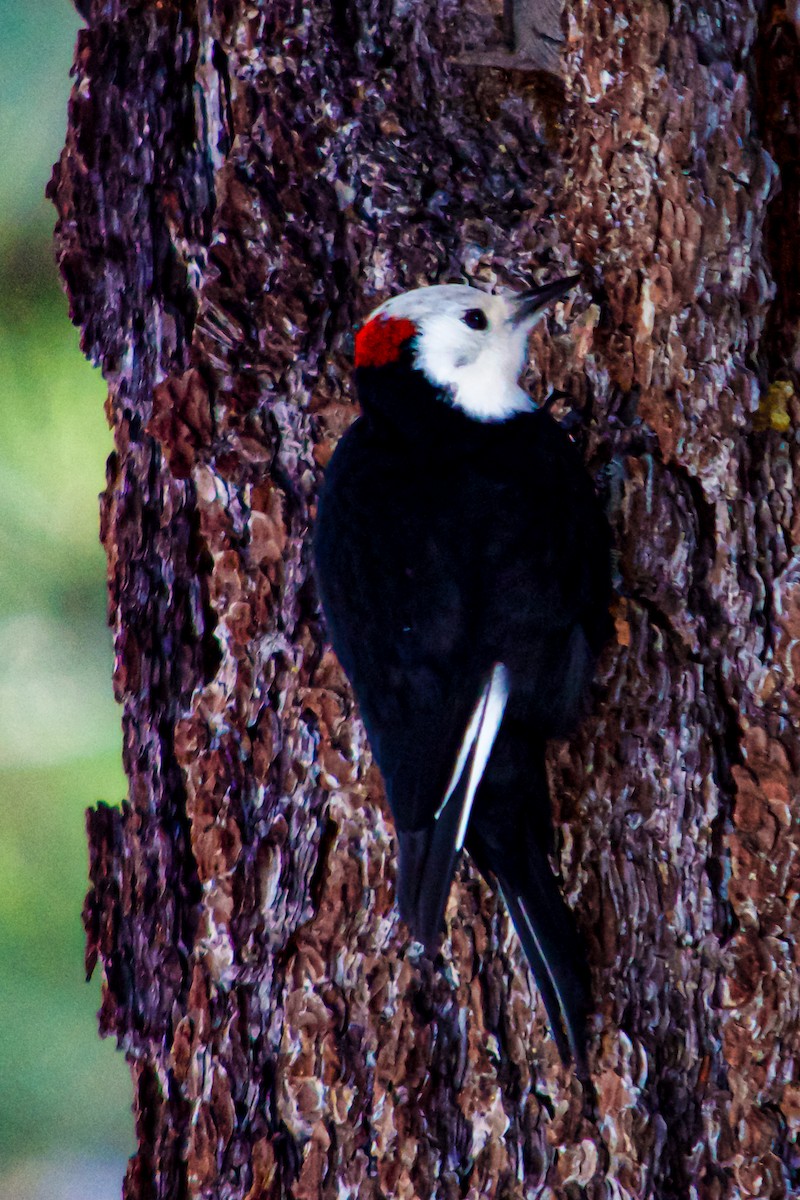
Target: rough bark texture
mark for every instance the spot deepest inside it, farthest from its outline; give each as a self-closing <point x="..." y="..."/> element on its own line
<point x="243" y="180"/>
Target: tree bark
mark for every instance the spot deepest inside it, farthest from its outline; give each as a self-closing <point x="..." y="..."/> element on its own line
<point x="242" y="181"/>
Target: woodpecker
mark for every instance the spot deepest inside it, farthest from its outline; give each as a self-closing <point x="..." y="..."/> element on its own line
<point x="463" y="564"/>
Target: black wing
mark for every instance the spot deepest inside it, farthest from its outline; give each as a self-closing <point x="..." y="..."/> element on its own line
<point x="395" y="592"/>
<point x="402" y="604"/>
<point x="445" y="627"/>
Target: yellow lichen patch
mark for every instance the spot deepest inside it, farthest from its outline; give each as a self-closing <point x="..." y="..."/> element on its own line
<point x="622" y="625"/>
<point x="772" y="410"/>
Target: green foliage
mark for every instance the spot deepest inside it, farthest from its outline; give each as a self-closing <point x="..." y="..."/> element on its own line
<point x="59" y="738"/>
<point x="52" y="439"/>
<point x="61" y="1088"/>
<point x="35" y="58"/>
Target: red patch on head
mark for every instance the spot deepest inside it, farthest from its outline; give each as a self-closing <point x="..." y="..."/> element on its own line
<point x="380" y="341"/>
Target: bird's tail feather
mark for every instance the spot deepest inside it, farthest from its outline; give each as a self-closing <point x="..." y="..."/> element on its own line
<point x="552" y="947"/>
<point x="509" y="839"/>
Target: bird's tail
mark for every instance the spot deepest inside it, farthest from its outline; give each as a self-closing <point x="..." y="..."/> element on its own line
<point x="510" y="840"/>
<point x="557" y="960"/>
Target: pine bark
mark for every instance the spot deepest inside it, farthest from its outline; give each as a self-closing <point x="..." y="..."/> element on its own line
<point x="242" y="181"/>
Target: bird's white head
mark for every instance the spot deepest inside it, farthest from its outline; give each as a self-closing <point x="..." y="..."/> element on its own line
<point x="470" y="344"/>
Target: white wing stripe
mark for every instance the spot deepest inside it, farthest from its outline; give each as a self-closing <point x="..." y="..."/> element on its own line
<point x="466" y="747"/>
<point x="491" y="716"/>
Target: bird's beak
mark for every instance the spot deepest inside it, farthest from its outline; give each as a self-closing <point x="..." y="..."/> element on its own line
<point x="530" y="304"/>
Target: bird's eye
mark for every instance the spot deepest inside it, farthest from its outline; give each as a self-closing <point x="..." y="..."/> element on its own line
<point x="476" y="318"/>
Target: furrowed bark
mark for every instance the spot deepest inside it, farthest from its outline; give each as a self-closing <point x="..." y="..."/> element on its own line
<point x="241" y="183"/>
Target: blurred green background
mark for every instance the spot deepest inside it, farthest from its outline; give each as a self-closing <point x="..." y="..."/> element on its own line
<point x="64" y="1095"/>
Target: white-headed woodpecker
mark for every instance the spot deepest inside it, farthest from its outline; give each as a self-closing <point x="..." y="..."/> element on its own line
<point x="463" y="562"/>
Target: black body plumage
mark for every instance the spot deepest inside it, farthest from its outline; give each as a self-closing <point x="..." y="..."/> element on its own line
<point x="444" y="546"/>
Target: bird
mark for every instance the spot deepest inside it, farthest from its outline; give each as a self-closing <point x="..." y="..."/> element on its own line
<point x="462" y="559"/>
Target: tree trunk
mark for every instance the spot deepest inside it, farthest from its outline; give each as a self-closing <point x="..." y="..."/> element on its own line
<point x="242" y="181"/>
